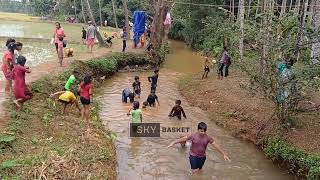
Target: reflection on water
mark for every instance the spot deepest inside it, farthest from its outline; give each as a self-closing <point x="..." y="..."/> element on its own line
<point x="148" y="158"/>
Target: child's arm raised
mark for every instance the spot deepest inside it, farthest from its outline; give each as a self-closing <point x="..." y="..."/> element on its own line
<point x="226" y="158"/>
<point x="183" y="139"/>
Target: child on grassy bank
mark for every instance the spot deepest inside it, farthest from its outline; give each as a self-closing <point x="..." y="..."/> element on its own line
<point x="86" y="98"/>
<point x="66" y="98"/>
<point x="21" y="91"/>
<point x="200" y="140"/>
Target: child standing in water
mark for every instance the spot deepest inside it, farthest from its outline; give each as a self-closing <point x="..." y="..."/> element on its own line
<point x="136" y="115"/>
<point x="86" y="98"/>
<point x="152" y="98"/>
<point x="154" y="80"/>
<point x="200" y="140"/>
<point x="136" y="86"/>
<point x="177" y="110"/>
<point x="21" y="91"/>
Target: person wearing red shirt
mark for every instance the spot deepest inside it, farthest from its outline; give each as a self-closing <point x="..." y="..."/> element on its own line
<point x="21" y="91"/>
<point x="7" y="65"/>
<point x="86" y="98"/>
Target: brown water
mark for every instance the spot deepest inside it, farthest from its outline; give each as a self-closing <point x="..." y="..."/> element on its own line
<point x="148" y="158"/>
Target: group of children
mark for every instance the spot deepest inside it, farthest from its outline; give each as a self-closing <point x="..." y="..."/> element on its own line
<point x="199" y="139"/>
<point x="13" y="68"/>
<point x="151" y="101"/>
<point x="73" y="91"/>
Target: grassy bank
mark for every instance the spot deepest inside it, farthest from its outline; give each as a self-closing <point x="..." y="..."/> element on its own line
<point x="248" y="117"/>
<point x="41" y="143"/>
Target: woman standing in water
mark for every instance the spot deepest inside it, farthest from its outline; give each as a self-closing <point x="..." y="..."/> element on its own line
<point x="58" y="36"/>
<point x="7" y="64"/>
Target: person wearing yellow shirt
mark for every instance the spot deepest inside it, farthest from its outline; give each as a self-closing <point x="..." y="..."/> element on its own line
<point x="66" y="98"/>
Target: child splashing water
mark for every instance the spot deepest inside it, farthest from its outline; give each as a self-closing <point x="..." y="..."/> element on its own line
<point x="200" y="140"/>
<point x="21" y="91"/>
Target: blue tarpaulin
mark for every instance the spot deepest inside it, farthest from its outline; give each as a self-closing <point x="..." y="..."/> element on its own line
<point x="139" y="21"/>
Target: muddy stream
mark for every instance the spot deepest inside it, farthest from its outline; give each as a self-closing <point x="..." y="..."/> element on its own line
<point x="149" y="158"/>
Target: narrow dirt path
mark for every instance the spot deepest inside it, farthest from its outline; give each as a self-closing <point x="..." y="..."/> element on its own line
<point x="53" y="68"/>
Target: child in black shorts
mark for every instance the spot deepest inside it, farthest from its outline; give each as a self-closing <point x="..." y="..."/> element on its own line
<point x="136" y="86"/>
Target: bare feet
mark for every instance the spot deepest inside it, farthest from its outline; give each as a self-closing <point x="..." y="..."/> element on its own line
<point x="17" y="104"/>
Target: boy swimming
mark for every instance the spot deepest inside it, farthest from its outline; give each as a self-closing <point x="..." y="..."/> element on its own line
<point x="200" y="140"/>
<point x="177" y="110"/>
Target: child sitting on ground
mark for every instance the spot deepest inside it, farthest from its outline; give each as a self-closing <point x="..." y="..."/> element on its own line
<point x="177" y="110"/>
<point x="66" y="98"/>
<point x="126" y="93"/>
<point x="152" y="98"/>
<point x="136" y="86"/>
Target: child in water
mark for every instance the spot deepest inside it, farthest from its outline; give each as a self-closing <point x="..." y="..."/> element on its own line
<point x="126" y="93"/>
<point x="66" y="98"/>
<point x="199" y="140"/>
<point x="177" y="110"/>
<point x="152" y="98"/>
<point x="154" y="80"/>
<point x="136" y="86"/>
<point x="136" y="115"/>
<point x="21" y="91"/>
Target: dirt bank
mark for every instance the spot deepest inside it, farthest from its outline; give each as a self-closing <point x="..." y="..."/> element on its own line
<point x="248" y="116"/>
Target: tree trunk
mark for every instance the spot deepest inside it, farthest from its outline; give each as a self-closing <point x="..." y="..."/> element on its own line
<point x="298" y="6"/>
<point x="114" y="14"/>
<point x="82" y="12"/>
<point x="302" y="29"/>
<point x="126" y="14"/>
<point x="257" y="10"/>
<point x="283" y="7"/>
<point x="290" y="7"/>
<point x="233" y="12"/>
<point x="99" y="1"/>
<point x="241" y="16"/>
<point x="249" y="7"/>
<point x="315" y="52"/>
<point x="99" y="37"/>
